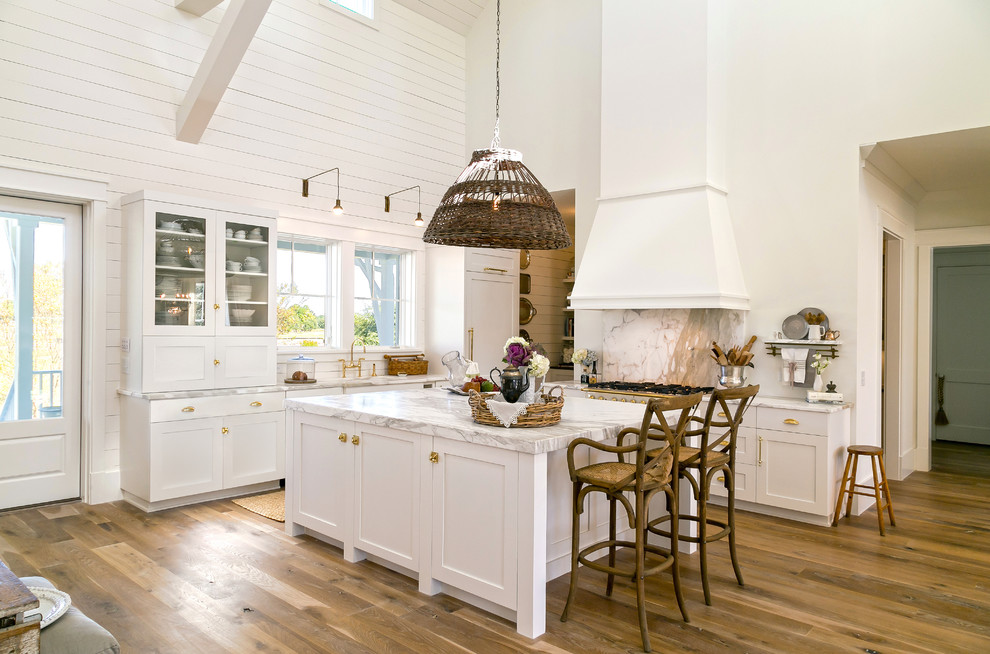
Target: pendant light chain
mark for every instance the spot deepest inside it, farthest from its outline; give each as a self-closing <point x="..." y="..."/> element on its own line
<point x="498" y="56"/>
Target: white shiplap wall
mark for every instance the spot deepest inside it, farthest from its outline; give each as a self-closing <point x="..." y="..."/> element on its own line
<point x="547" y="270"/>
<point x="90" y="88"/>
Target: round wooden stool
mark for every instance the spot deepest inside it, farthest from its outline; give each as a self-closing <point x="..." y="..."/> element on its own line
<point x="878" y="487"/>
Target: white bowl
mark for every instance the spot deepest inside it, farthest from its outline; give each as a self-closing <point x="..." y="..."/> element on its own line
<point x="241" y="314"/>
<point x="240" y="234"/>
<point x="234" y="266"/>
<point x="170" y="226"/>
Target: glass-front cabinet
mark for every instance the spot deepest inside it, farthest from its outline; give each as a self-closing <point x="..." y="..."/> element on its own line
<point x="203" y="269"/>
<point x="211" y="273"/>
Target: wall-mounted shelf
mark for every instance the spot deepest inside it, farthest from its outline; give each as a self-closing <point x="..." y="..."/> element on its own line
<point x="829" y="348"/>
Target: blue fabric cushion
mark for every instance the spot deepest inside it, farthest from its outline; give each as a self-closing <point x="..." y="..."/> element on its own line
<point x="73" y="633"/>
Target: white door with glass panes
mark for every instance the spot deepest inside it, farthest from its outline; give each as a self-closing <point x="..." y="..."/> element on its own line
<point x="40" y="337"/>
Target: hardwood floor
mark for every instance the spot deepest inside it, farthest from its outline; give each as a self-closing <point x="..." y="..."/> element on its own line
<point x="215" y="577"/>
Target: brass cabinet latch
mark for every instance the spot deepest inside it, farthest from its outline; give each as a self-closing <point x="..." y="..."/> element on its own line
<point x="434" y="457"/>
<point x="342" y="438"/>
<point x="355" y="440"/>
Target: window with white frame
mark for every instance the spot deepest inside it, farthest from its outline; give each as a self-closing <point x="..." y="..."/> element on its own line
<point x="365" y="8"/>
<point x="382" y="296"/>
<point x="307" y="301"/>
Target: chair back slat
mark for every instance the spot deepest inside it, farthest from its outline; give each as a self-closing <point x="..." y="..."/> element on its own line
<point x="720" y="427"/>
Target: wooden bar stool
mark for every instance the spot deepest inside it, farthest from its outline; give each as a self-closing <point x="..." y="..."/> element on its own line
<point x="849" y="484"/>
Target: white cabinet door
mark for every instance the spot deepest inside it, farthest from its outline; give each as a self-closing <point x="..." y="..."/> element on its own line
<point x="745" y="483"/>
<point x="253" y="449"/>
<point x="387" y="466"/>
<point x="245" y="361"/>
<point x="245" y="272"/>
<point x="492" y="311"/>
<point x="177" y="363"/>
<point x="186" y="458"/>
<point x="475" y="518"/>
<point x="791" y="471"/>
<point x="322" y="484"/>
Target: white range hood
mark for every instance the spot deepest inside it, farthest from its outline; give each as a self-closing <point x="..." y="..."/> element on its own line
<point x="662" y="237"/>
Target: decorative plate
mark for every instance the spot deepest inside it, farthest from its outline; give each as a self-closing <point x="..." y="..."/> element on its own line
<point x="526" y="311"/>
<point x="53" y="604"/>
<point x="523" y="259"/>
<point x="795" y="327"/>
<point x="814" y="311"/>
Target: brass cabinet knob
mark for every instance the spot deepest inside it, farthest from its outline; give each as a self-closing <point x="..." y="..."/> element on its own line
<point x="355" y="440"/>
<point x="188" y="409"/>
<point x="342" y="438"/>
<point x="256" y="404"/>
<point x="791" y="421"/>
<point x="721" y="414"/>
<point x="224" y="430"/>
<point x="434" y="457"/>
<point x="723" y="443"/>
<point x="720" y="478"/>
<point x="216" y="362"/>
<point x="216" y="306"/>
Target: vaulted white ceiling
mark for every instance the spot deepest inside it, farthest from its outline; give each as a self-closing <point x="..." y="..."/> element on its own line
<point x="458" y="15"/>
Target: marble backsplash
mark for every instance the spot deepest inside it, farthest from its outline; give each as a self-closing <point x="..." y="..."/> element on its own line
<point x="668" y="345"/>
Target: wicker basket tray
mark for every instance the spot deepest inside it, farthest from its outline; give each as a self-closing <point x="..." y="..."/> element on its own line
<point x="410" y="364"/>
<point x="540" y="414"/>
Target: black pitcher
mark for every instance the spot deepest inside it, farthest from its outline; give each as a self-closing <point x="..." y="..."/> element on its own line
<point x="514" y="381"/>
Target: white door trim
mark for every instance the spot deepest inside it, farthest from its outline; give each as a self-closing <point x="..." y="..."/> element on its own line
<point x="927" y="241"/>
<point x="97" y="484"/>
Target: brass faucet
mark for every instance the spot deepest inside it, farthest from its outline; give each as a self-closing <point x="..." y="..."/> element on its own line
<point x="344" y="365"/>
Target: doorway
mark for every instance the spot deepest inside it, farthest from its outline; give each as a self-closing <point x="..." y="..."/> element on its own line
<point x="40" y="351"/>
<point x="961" y="352"/>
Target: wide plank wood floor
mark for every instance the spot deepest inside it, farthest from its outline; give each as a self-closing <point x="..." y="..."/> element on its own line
<point x="217" y="578"/>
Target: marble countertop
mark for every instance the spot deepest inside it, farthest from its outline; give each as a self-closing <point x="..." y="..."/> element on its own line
<point x="797" y="404"/>
<point x="382" y="380"/>
<point x="437" y="412"/>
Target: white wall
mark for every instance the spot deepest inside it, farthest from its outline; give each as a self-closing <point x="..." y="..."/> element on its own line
<point x="90" y="88"/>
<point x="808" y="83"/>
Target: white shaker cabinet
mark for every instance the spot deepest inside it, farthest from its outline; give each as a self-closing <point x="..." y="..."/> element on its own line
<point x="199" y="286"/>
<point x="472" y="302"/>
<point x="180" y="451"/>
<point x="475" y="550"/>
<point x="788" y="459"/>
<point x="377" y="491"/>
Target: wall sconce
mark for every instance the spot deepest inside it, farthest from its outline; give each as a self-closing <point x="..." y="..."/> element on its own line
<point x="419" y="215"/>
<point x="337" y="209"/>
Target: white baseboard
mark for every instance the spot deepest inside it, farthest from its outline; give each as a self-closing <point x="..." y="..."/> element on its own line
<point x="104" y="487"/>
<point x="909" y="461"/>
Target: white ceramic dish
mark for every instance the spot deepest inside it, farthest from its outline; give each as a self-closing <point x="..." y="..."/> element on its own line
<point x="170" y="226"/>
<point x="234" y="266"/>
<point x="241" y="314"/>
<point x="53" y="604"/>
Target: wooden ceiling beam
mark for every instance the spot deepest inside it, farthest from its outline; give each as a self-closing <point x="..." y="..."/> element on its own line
<point x="231" y="41"/>
<point x="196" y="7"/>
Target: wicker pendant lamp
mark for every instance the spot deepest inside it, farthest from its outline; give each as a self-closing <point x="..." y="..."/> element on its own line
<point x="496" y="202"/>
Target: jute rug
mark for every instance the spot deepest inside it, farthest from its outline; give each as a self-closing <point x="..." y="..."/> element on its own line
<point x="270" y="505"/>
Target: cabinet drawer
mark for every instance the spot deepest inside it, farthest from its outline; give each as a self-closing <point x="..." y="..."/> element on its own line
<point x="501" y="262"/>
<point x="216" y="405"/>
<point x="798" y="422"/>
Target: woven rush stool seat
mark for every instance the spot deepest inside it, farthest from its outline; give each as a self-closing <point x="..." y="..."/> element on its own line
<point x="879" y="490"/>
<point x="618" y="479"/>
<point x="698" y="466"/>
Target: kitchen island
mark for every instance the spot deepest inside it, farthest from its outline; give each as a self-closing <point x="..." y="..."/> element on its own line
<point x="408" y="478"/>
